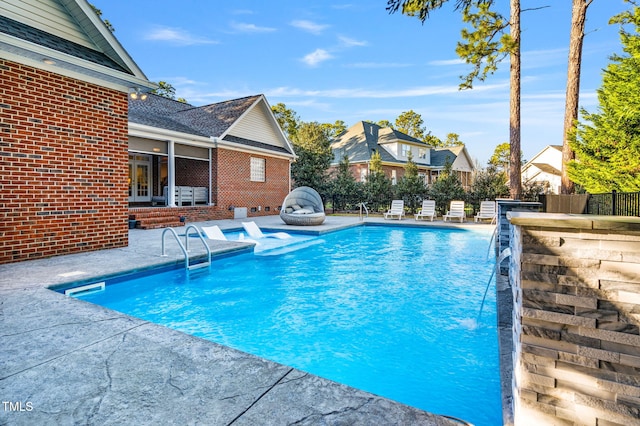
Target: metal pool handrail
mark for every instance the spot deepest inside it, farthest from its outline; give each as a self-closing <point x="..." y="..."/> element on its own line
<point x="185" y="250"/>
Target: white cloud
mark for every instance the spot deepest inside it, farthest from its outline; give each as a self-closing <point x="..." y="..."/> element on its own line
<point x="382" y="94"/>
<point x="315" y="57"/>
<point x="176" y="36"/>
<point x="349" y="42"/>
<point x="377" y="65"/>
<point x="446" y="62"/>
<point x="309" y="26"/>
<point x="250" y="28"/>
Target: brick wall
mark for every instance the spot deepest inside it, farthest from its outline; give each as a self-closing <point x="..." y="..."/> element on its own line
<point x="63" y="165"/>
<point x="576" y="284"/>
<point x="190" y="172"/>
<point x="235" y="188"/>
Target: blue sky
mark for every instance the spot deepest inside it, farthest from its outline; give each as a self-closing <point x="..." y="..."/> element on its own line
<point x="352" y="61"/>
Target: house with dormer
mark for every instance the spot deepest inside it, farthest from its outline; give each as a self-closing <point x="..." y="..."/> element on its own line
<point x="363" y="139"/>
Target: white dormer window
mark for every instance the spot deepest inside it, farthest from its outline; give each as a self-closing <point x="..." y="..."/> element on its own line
<point x="405" y="150"/>
<point x="422" y="153"/>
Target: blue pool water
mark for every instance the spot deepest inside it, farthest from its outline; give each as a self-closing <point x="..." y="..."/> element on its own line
<point x="390" y="310"/>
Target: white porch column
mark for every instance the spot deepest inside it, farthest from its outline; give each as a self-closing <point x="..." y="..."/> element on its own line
<point x="171" y="174"/>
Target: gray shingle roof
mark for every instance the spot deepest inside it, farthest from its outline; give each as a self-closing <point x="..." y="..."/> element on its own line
<point x="209" y="121"/>
<point x="42" y="38"/>
<point x="440" y="156"/>
<point x="363" y="138"/>
<point x="215" y="119"/>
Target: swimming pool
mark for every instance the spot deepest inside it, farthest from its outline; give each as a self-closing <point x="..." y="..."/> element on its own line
<point x="386" y="309"/>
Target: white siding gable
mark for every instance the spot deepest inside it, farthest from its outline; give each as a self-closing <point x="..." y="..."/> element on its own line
<point x="461" y="163"/>
<point x="46" y="15"/>
<point x="257" y="125"/>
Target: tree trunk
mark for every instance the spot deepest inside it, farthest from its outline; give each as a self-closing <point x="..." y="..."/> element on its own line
<point x="578" y="19"/>
<point x="515" y="180"/>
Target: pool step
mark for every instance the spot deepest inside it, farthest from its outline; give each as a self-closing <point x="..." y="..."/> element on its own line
<point x="155" y="219"/>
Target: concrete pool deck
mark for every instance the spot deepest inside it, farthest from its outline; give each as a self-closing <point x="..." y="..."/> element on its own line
<point x="65" y="361"/>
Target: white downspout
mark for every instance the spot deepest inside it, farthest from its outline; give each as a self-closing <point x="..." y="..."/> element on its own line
<point x="171" y="174"/>
<point x="214" y="140"/>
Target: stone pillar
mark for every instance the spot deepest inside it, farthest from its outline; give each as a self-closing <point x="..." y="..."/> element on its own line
<point x="576" y="314"/>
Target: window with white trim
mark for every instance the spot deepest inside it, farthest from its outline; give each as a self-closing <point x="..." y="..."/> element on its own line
<point x="405" y="149"/>
<point x="257" y="169"/>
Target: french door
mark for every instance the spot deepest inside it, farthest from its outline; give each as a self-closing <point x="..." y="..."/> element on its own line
<point x="139" y="178"/>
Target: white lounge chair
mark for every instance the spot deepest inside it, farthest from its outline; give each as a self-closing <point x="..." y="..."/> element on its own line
<point x="428" y="210"/>
<point x="214" y="233"/>
<point x="256" y="233"/>
<point x="456" y="211"/>
<point x="487" y="211"/>
<point x="397" y="209"/>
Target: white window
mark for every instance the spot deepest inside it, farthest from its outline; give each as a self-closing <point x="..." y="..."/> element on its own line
<point x="257" y="169"/>
<point x="394" y="178"/>
<point x="422" y="177"/>
<point x="363" y="175"/>
<point x="404" y="150"/>
<point x="422" y="153"/>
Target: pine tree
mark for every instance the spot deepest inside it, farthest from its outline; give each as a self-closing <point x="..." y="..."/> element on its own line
<point x="607" y="145"/>
<point x="345" y="190"/>
<point x="378" y="185"/>
<point x="411" y="188"/>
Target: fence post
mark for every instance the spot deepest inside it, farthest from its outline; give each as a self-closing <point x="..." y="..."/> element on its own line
<point x="614" y="202"/>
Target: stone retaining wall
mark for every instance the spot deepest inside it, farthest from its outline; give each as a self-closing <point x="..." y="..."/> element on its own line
<point x="576" y="287"/>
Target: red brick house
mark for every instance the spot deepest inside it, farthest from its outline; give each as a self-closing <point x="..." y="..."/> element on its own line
<point x="64" y="81"/>
<point x="231" y="157"/>
<point x="80" y="158"/>
<point x="362" y="139"/>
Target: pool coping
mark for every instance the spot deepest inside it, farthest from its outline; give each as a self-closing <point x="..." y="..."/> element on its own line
<point x="68" y="360"/>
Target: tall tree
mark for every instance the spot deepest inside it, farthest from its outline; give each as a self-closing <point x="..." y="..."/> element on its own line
<point x="335" y="129"/>
<point x="578" y="20"/>
<point x="607" y="145"/>
<point x="484" y="47"/>
<point x="345" y="190"/>
<point x="378" y="185"/>
<point x="287" y="119"/>
<point x="166" y="90"/>
<point x="453" y="139"/>
<point x="411" y="123"/>
<point x="385" y="123"/>
<point x="313" y="148"/>
<point x="411" y="188"/>
<point x="500" y="158"/>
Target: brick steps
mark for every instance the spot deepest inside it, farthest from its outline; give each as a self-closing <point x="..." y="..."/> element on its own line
<point x="156" y="219"/>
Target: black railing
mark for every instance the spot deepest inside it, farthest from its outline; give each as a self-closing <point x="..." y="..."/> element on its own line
<point x="610" y="204"/>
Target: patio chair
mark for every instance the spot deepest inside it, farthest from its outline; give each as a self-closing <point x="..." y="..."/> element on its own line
<point x="428" y="210"/>
<point x="397" y="209"/>
<point x="214" y="233"/>
<point x="487" y="211"/>
<point x="256" y="233"/>
<point x="456" y="211"/>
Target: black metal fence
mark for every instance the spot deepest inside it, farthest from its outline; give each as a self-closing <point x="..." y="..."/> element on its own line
<point x="610" y="204"/>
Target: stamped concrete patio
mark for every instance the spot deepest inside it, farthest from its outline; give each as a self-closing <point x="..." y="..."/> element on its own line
<point x="65" y="361"/>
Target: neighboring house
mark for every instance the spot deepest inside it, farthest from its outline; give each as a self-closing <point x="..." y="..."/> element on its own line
<point x="545" y="169"/>
<point x="234" y="152"/>
<point x="64" y="81"/>
<point x="361" y="140"/>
